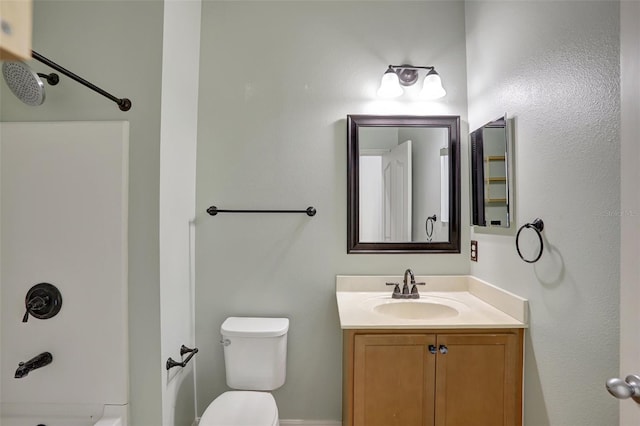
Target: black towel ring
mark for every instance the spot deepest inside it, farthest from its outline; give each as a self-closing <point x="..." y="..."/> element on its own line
<point x="430" y="220"/>
<point x="537" y="225"/>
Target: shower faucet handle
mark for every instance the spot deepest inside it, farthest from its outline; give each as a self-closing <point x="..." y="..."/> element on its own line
<point x="42" y="301"/>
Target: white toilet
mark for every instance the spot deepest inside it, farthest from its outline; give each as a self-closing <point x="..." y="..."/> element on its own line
<point x="255" y="356"/>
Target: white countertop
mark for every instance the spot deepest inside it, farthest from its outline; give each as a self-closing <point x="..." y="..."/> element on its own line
<point x="479" y="304"/>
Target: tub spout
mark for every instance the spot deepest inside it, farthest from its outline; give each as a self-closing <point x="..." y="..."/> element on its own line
<point x="34" y="363"/>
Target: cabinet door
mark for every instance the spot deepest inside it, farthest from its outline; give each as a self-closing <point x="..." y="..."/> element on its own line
<point x="393" y="380"/>
<point x="478" y="380"/>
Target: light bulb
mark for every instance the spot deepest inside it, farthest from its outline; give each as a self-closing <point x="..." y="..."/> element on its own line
<point x="432" y="86"/>
<point x="390" y="85"/>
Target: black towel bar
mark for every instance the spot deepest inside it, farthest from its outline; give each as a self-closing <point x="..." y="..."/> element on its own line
<point x="213" y="210"/>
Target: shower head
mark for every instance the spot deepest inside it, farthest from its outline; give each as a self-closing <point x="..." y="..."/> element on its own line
<point x="26" y="84"/>
<point x="23" y="82"/>
<point x="28" y="87"/>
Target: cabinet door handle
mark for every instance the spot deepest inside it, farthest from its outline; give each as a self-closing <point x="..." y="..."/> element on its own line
<point x="432" y="349"/>
<point x="443" y="349"/>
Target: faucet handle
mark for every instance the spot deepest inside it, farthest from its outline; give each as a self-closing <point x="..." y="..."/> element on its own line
<point x="396" y="289"/>
<point x="414" y="290"/>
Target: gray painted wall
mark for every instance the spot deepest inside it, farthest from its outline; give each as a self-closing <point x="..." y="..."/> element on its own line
<point x="554" y="67"/>
<point x="116" y="45"/>
<point x="277" y="81"/>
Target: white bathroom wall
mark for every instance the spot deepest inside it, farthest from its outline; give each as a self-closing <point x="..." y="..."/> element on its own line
<point x="554" y="67"/>
<point x="180" y="66"/>
<point x="118" y="46"/>
<point x="277" y="80"/>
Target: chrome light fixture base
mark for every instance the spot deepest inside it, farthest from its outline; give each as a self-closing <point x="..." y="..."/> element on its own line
<point x="407" y="74"/>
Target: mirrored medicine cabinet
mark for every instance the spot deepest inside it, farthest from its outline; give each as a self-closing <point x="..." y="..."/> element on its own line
<point x="403" y="191"/>
<point x="490" y="160"/>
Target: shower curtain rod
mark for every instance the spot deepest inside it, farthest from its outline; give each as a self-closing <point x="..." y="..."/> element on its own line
<point x="124" y="104"/>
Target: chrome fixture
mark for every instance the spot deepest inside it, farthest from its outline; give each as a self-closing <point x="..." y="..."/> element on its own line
<point x="406" y="293"/>
<point x="26" y="84"/>
<point x="38" y="361"/>
<point x="407" y="75"/>
<point x="627" y="388"/>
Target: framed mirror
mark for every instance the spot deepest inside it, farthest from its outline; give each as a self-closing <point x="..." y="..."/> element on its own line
<point x="490" y="193"/>
<point x="403" y="184"/>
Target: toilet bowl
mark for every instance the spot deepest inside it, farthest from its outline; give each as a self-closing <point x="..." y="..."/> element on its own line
<point x="241" y="408"/>
<point x="255" y="354"/>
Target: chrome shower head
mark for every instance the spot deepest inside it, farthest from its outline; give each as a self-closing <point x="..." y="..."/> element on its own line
<point x="24" y="83"/>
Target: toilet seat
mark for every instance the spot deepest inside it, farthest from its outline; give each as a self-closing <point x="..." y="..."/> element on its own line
<point x="241" y="408"/>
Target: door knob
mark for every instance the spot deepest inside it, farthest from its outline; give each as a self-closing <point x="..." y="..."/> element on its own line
<point x="627" y="388"/>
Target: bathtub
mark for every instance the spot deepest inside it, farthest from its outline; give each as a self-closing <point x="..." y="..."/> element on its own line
<point x="63" y="415"/>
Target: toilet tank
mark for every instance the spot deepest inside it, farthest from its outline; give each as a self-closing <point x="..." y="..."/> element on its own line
<point x="255" y="352"/>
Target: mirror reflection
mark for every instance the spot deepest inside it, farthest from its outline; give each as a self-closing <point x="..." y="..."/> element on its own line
<point x="404" y="194"/>
<point x="490" y="174"/>
<point x="406" y="169"/>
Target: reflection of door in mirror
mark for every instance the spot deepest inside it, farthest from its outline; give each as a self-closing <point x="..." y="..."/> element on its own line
<point x="396" y="189"/>
<point x="489" y="174"/>
<point x="404" y="183"/>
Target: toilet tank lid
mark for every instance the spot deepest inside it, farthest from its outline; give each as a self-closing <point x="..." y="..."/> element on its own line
<point x="254" y="327"/>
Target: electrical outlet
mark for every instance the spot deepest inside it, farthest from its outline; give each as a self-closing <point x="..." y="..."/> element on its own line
<point x="474" y="250"/>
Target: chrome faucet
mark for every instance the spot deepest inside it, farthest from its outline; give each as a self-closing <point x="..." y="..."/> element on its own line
<point x="406" y="292"/>
<point x="34" y="363"/>
<point x="405" y="287"/>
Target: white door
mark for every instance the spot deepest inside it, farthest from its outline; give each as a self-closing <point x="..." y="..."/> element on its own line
<point x="396" y="177"/>
<point x="630" y="210"/>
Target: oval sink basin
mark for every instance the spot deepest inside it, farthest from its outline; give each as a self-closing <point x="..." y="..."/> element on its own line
<point x="416" y="310"/>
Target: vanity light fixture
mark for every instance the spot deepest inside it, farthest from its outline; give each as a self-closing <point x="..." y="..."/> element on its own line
<point x="407" y="75"/>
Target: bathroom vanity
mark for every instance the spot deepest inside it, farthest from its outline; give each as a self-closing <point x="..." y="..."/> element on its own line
<point x="452" y="357"/>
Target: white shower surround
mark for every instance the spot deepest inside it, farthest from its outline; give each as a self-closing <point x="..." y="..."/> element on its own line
<point x="64" y="189"/>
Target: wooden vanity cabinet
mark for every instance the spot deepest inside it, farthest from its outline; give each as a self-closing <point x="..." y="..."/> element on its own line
<point x="432" y="377"/>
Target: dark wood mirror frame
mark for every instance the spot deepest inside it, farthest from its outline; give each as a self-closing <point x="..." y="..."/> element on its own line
<point x="481" y="202"/>
<point x="354" y="245"/>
